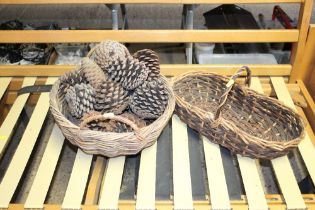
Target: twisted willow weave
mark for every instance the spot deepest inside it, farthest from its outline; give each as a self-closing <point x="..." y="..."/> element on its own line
<point x="109" y="144"/>
<point x="236" y="117"/>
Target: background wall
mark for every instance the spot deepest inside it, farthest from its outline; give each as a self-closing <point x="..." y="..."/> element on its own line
<point x="139" y="16"/>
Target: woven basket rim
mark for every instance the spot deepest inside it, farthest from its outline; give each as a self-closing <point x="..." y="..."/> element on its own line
<point x="246" y="137"/>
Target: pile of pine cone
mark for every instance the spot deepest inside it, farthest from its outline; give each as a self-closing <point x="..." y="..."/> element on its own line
<point x="111" y="80"/>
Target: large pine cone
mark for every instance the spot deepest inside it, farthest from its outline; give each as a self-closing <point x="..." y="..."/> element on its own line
<point x="112" y="125"/>
<point x="151" y="61"/>
<point x="149" y="100"/>
<point x="111" y="97"/>
<point x="80" y="99"/>
<point x="129" y="72"/>
<point x="93" y="73"/>
<point x="71" y="78"/>
<point x="108" y="51"/>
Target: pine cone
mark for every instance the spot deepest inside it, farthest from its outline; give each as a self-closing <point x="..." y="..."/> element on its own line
<point x="80" y="99"/>
<point x="108" y="51"/>
<point x="70" y="79"/>
<point x="151" y="61"/>
<point x="149" y="100"/>
<point x="111" y="97"/>
<point x="129" y="72"/>
<point x="93" y="73"/>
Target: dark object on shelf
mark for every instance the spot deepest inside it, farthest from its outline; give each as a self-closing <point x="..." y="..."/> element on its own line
<point x="33" y="53"/>
<point x="283" y="18"/>
<point x="230" y="16"/>
<point x="12" y="25"/>
<point x="236" y="117"/>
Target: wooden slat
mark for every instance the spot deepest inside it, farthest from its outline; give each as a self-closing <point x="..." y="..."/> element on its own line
<point x="310" y="109"/>
<point x="181" y="167"/>
<point x="219" y="196"/>
<point x="146" y="179"/>
<point x="24" y="149"/>
<point x="78" y="179"/>
<point x="305" y="69"/>
<point x="306" y="147"/>
<point x="4" y="83"/>
<point x="308" y="128"/>
<point x="46" y="169"/>
<point x="284" y="174"/>
<point x="166" y="69"/>
<point x="298" y="49"/>
<point x="148" y="36"/>
<point x="111" y="187"/>
<point x="311" y="82"/>
<point x="94" y="186"/>
<point x="253" y="187"/>
<point x="8" y="124"/>
<point x="287" y="183"/>
<point x="251" y="179"/>
<point x="146" y="1"/>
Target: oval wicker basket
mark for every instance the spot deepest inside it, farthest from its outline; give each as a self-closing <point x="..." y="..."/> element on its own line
<point x="110" y="144"/>
<point x="236" y="117"/>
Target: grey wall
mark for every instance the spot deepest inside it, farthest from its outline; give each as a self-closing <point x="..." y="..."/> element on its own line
<point x="140" y="16"/>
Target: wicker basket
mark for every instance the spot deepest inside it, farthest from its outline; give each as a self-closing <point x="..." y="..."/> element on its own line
<point x="236" y="117"/>
<point x="110" y="144"/>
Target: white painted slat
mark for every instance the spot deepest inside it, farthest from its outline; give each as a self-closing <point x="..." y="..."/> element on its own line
<point x="306" y="146"/>
<point x="13" y="115"/>
<point x="46" y="169"/>
<point x="24" y="150"/>
<point x="219" y="196"/>
<point x="4" y="83"/>
<point x="284" y="173"/>
<point x="78" y="179"/>
<point x="146" y="180"/>
<point x="252" y="184"/>
<point x="251" y="180"/>
<point x="181" y="166"/>
<point x="287" y="183"/>
<point x="111" y="187"/>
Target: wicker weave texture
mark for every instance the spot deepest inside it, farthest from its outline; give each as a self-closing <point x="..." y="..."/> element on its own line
<point x="248" y="123"/>
<point x="109" y="144"/>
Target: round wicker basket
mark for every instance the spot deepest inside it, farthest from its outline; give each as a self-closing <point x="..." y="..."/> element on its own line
<point x="110" y="144"/>
<point x="236" y="117"/>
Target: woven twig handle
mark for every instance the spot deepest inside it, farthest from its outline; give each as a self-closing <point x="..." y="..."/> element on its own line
<point x="229" y="87"/>
<point x="111" y="116"/>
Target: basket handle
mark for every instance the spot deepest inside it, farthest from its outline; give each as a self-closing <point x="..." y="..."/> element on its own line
<point x="111" y="116"/>
<point x="229" y="87"/>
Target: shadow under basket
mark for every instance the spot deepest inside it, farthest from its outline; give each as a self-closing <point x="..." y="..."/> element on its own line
<point x="236" y="117"/>
<point x="109" y="144"/>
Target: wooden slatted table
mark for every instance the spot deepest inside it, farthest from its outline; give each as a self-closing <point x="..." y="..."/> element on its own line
<point x="110" y="181"/>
